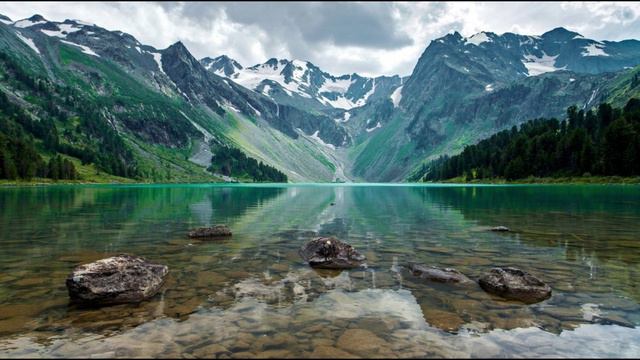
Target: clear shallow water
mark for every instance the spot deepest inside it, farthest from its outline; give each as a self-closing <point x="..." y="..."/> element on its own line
<point x="252" y="296"/>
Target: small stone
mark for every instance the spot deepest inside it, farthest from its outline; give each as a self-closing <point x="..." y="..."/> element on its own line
<point x="330" y="253"/>
<point x="513" y="283"/>
<point x="360" y="340"/>
<point x="239" y="346"/>
<point x="273" y="354"/>
<point x="329" y="352"/>
<point x="443" y="320"/>
<point x="214" y="231"/>
<point x="243" y="355"/>
<point x="211" y="351"/>
<point x="443" y="275"/>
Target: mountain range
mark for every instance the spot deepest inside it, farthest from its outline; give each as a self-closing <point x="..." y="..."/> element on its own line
<point x="161" y="113"/>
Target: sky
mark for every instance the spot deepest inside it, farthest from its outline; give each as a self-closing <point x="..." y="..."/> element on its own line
<point x="374" y="38"/>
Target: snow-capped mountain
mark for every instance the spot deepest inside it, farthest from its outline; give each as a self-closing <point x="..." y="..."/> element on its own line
<point x="291" y="113"/>
<point x="302" y="82"/>
<point x="524" y="55"/>
<point x="221" y="66"/>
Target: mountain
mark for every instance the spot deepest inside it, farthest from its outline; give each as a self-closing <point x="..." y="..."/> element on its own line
<point x="221" y="66"/>
<point x="301" y="83"/>
<point x="464" y="89"/>
<point x="161" y="108"/>
<point x="112" y="105"/>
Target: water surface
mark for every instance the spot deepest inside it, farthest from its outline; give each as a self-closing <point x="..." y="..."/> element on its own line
<point x="252" y="295"/>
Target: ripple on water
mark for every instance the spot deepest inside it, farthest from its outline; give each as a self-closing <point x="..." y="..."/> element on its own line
<point x="252" y="295"/>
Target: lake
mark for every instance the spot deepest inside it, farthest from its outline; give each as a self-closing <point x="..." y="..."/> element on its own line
<point x="252" y="295"/>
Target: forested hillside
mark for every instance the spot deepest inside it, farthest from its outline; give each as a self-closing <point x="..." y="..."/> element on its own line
<point x="602" y="142"/>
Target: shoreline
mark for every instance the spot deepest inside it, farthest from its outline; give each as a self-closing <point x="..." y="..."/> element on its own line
<point x="568" y="180"/>
<point x="593" y="180"/>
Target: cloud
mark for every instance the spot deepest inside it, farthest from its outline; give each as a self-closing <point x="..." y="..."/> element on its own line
<point x="341" y="38"/>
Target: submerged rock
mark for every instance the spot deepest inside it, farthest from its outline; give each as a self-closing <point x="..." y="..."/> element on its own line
<point x="214" y="231"/>
<point x="115" y="280"/>
<point x="443" y="275"/>
<point x="330" y="253"/>
<point x="513" y="283"/>
<point x="500" y="229"/>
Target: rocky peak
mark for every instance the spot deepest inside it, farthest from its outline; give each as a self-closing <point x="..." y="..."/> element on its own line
<point x="560" y="34"/>
<point x="36" y="18"/>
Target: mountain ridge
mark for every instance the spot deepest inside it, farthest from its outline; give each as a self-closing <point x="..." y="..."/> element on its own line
<point x="311" y="124"/>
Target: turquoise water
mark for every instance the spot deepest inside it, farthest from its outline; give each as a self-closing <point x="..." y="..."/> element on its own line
<point x="252" y="295"/>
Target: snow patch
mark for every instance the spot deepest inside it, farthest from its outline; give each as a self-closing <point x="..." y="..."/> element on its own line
<point x="318" y="139"/>
<point x="84" y="23"/>
<point x="378" y="125"/>
<point x="338" y="85"/>
<point x="345" y="117"/>
<point x="85" y="49"/>
<point x="540" y="65"/>
<point x="54" y="33"/>
<point x="68" y="28"/>
<point x="396" y="96"/>
<point x="158" y="58"/>
<point x="594" y="50"/>
<point x="28" y="41"/>
<point x="27" y="23"/>
<point x="478" y="38"/>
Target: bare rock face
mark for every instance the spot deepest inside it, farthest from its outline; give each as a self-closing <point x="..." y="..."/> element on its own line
<point x="214" y="231"/>
<point x="442" y="275"/>
<point x="330" y="253"/>
<point x="115" y="280"/>
<point x="513" y="283"/>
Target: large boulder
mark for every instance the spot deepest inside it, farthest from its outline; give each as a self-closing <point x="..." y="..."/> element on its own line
<point x="442" y="275"/>
<point x="513" y="283"/>
<point x="115" y="280"/>
<point x="214" y="231"/>
<point x="330" y="253"/>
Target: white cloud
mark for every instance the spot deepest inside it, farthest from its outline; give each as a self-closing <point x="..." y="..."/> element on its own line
<point x="342" y="38"/>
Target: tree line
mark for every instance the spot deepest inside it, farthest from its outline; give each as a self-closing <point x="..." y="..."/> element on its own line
<point x="601" y="142"/>
<point x="231" y="161"/>
<point x="92" y="139"/>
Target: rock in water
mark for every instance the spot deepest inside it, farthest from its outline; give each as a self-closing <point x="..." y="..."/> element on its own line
<point x="500" y="229"/>
<point x="513" y="283"/>
<point x="215" y="231"/>
<point x="330" y="253"/>
<point x="443" y="275"/>
<point x="115" y="280"/>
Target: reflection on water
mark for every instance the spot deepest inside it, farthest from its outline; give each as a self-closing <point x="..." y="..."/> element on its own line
<point x="252" y="296"/>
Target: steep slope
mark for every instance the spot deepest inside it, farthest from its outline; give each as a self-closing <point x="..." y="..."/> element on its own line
<point x="161" y="107"/>
<point x="463" y="89"/>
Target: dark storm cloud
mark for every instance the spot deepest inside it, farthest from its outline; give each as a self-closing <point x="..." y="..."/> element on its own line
<point x="341" y="38"/>
<point x="368" y="25"/>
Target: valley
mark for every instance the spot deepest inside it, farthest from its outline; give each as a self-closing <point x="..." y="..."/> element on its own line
<point x="150" y="114"/>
